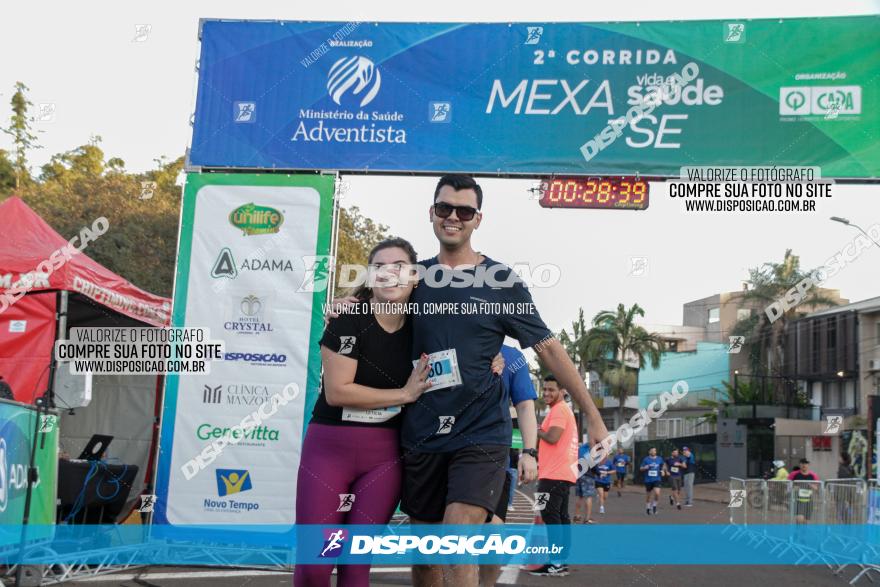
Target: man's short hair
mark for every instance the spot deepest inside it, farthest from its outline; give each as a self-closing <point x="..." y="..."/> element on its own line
<point x="460" y="182"/>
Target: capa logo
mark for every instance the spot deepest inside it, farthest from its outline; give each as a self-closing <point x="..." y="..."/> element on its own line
<point x="253" y="219"/>
<point x="356" y="76"/>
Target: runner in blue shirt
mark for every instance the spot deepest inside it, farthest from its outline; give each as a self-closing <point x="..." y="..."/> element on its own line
<point x="621" y="463"/>
<point x="603" y="481"/>
<point x="584" y="490"/>
<point x="654" y="468"/>
<point x="677" y="467"/>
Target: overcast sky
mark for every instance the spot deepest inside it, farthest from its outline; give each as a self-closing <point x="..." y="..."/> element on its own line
<point x="139" y="96"/>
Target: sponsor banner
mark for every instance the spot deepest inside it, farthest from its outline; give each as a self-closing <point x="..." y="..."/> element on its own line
<point x="514" y="544"/>
<point x="537" y="98"/>
<point x="229" y="448"/>
<point x="17" y="424"/>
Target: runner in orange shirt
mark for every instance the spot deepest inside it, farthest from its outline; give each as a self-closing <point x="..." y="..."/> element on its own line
<point x="557" y="472"/>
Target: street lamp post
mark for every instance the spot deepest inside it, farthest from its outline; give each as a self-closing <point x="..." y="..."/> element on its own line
<point x="848" y="223"/>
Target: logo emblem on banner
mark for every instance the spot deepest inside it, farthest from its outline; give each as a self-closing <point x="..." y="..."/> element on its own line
<point x="333" y="541"/>
<point x="253" y="219"/>
<point x="232" y="481"/>
<point x="356" y="76"/>
<point x="212" y="395"/>
<point x="248" y="316"/>
<point x="533" y="34"/>
<point x="440" y="111"/>
<point x="224" y="266"/>
<point x="245" y="112"/>
<point x="734" y="32"/>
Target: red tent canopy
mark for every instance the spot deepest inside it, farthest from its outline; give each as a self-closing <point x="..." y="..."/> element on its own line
<point x="26" y="241"/>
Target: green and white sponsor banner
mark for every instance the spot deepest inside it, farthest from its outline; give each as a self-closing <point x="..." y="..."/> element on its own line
<point x="17" y="423"/>
<point x="248" y="252"/>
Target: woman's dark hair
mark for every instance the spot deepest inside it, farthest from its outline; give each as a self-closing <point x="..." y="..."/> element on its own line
<point x="460" y="182"/>
<point x="847" y="460"/>
<point x="363" y="292"/>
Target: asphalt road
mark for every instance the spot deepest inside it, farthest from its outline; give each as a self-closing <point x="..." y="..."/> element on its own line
<point x="627" y="509"/>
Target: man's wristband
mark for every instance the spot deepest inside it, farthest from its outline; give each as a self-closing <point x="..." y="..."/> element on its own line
<point x="531" y="452"/>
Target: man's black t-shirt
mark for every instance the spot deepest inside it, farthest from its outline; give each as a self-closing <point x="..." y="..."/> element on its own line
<point x="383" y="363"/>
<point x="475" y="411"/>
<point x="799" y="476"/>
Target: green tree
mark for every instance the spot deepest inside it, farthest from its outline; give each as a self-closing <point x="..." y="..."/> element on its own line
<point x="7" y="174"/>
<point x="358" y="234"/>
<point x="585" y="357"/>
<point x="745" y="393"/>
<point x="768" y="284"/>
<point x="80" y="185"/>
<point x="20" y="130"/>
<point x="615" y="337"/>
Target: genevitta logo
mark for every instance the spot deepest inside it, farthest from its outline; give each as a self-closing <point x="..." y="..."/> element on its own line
<point x="357" y="76"/>
<point x="258" y="359"/>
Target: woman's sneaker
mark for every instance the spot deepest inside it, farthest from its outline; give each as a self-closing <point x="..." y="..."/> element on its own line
<point x="551" y="571"/>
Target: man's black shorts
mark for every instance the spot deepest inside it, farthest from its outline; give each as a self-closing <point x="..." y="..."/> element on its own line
<point x="652" y="486"/>
<point x="504" y="498"/>
<point x="473" y="475"/>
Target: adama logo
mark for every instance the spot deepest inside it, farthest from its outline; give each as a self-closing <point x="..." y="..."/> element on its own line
<point x="253" y="219"/>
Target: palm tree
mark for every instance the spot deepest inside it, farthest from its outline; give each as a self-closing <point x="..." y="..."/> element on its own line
<point x="615" y="337"/>
<point x="744" y="393"/>
<point x="768" y="284"/>
<point x="583" y="357"/>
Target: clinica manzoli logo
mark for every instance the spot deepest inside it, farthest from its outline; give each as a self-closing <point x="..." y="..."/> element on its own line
<point x="353" y="83"/>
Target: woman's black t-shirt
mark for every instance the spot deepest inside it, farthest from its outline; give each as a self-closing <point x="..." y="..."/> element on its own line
<point x="383" y="363"/>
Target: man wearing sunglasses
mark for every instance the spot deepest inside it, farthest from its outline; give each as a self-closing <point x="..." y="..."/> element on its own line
<point x="456" y="438"/>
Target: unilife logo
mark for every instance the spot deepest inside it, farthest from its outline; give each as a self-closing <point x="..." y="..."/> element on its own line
<point x="356" y="75"/>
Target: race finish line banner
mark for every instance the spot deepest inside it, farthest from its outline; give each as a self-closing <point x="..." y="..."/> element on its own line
<point x="599" y="98"/>
<point x="231" y="439"/>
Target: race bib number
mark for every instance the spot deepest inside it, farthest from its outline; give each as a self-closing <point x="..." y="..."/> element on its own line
<point x="652" y="473"/>
<point x="369" y="416"/>
<point x="603" y="473"/>
<point x="444" y="370"/>
<point x="674" y="469"/>
<point x="805" y="493"/>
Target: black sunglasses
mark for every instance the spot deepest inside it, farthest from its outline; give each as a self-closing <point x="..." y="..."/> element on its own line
<point x="464" y="213"/>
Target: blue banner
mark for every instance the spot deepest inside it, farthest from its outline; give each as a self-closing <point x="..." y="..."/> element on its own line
<point x="713" y="544"/>
<point x="539" y="98"/>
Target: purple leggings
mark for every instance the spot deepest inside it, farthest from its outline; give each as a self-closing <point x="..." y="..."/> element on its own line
<point x="361" y="460"/>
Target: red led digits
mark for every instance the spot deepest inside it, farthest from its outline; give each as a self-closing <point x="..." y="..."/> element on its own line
<point x="613" y="193"/>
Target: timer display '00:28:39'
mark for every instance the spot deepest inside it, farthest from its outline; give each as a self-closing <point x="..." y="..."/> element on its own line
<point x="616" y="193"/>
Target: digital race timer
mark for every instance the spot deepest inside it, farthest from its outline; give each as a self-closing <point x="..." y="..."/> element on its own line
<point x="616" y="193"/>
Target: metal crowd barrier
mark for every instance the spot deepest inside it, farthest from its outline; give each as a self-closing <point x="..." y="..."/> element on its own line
<point x="830" y="506"/>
